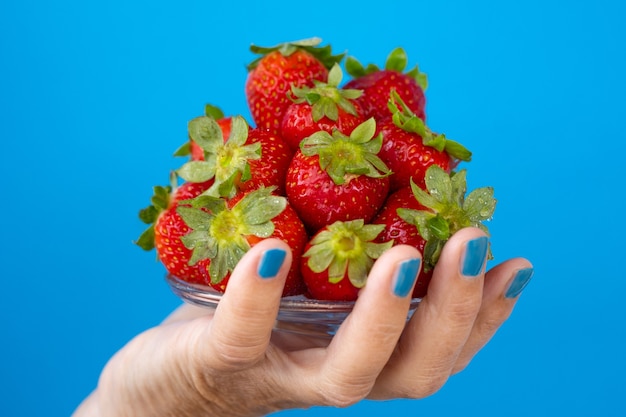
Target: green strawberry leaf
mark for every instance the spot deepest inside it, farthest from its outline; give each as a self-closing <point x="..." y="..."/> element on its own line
<point x="448" y="210"/>
<point x="343" y="156"/>
<point x="346" y="250"/>
<point x="396" y="60"/>
<point x="160" y="201"/>
<point x="224" y="162"/>
<point x="480" y="204"/>
<point x="183" y="150"/>
<point x="311" y="45"/>
<point x="220" y="234"/>
<point x="146" y="239"/>
<point x="326" y="98"/>
<point x="213" y="111"/>
<point x="405" y="119"/>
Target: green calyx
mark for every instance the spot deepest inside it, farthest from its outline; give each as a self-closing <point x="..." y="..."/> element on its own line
<point x="220" y="234"/>
<point x="210" y="111"/>
<point x="160" y="202"/>
<point x="311" y="45"/>
<point x="406" y="120"/>
<point x="397" y="60"/>
<point x="449" y="210"/>
<point x="344" y="157"/>
<point x="224" y="162"/>
<point x="326" y="98"/>
<point x="346" y="248"/>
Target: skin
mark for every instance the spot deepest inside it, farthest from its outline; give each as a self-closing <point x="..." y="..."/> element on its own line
<point x="230" y="363"/>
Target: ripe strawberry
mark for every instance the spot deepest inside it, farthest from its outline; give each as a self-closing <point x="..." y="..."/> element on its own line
<point x="377" y="84"/>
<point x="338" y="177"/>
<point x="248" y="159"/>
<point x="191" y="148"/>
<point x="401" y="232"/>
<point x="167" y="228"/>
<point x="279" y="68"/>
<point x="222" y="231"/>
<point x="322" y="107"/>
<point x="338" y="259"/>
<point x="410" y="147"/>
<point x="427" y="218"/>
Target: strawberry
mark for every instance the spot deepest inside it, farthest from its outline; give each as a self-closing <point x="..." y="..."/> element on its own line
<point x="223" y="230"/>
<point x="280" y="67"/>
<point x="427" y="218"/>
<point x="338" y="259"/>
<point x="338" y="177"/>
<point x="191" y="148"/>
<point x="377" y="84"/>
<point x="248" y="159"/>
<point x="322" y="107"/>
<point x="410" y="147"/>
<point x="167" y="228"/>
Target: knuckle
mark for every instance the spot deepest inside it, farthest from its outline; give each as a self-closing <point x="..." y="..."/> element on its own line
<point x="464" y="310"/>
<point x="232" y="355"/>
<point x="425" y="387"/>
<point x="344" y="392"/>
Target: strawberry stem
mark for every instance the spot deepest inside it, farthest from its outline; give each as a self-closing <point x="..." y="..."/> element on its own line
<point x="448" y="210"/>
<point x="221" y="234"/>
<point x="343" y="156"/>
<point x="406" y="120"/>
<point x="224" y="162"/>
<point x="346" y="249"/>
<point x="326" y="98"/>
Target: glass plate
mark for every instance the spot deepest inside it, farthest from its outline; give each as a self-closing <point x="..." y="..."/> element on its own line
<point x="297" y="314"/>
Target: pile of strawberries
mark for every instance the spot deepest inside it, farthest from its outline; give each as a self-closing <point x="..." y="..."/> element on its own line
<point x="341" y="171"/>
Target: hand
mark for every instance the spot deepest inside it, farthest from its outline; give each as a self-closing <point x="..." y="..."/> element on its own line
<point x="231" y="363"/>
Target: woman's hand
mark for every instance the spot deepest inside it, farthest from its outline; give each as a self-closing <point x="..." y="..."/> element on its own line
<point x="231" y="363"/>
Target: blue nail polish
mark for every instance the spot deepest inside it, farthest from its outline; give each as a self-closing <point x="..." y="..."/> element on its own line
<point x="405" y="277"/>
<point x="271" y="262"/>
<point x="522" y="278"/>
<point x="475" y="255"/>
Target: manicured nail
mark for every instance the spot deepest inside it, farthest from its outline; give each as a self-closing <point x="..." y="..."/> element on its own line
<point x="271" y="262"/>
<point x="405" y="277"/>
<point x="475" y="254"/>
<point x="522" y="278"/>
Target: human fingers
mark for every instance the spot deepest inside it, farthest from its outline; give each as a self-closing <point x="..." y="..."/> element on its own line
<point x="441" y="325"/>
<point x="503" y="286"/>
<point x="240" y="330"/>
<point x="186" y="312"/>
<point x="365" y="340"/>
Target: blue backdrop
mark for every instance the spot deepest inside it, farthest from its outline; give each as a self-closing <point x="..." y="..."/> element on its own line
<point x="95" y="97"/>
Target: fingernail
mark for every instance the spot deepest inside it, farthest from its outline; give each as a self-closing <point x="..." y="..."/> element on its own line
<point x="522" y="278"/>
<point x="271" y="262"/>
<point x="405" y="277"/>
<point x="474" y="258"/>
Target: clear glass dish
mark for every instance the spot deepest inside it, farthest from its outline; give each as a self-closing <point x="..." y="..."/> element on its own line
<point x="297" y="314"/>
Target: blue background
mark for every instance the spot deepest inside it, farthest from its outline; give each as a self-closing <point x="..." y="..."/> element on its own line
<point x="95" y="97"/>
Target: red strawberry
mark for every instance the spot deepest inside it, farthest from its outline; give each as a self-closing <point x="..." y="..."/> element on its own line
<point x="322" y="107"/>
<point x="377" y="84"/>
<point x="425" y="219"/>
<point x="222" y="231"/>
<point x="248" y="159"/>
<point x="338" y="177"/>
<point x="410" y="147"/>
<point x="279" y="68"/>
<point x="191" y="148"/>
<point x="167" y="228"/>
<point x="338" y="259"/>
<point x="402" y="232"/>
